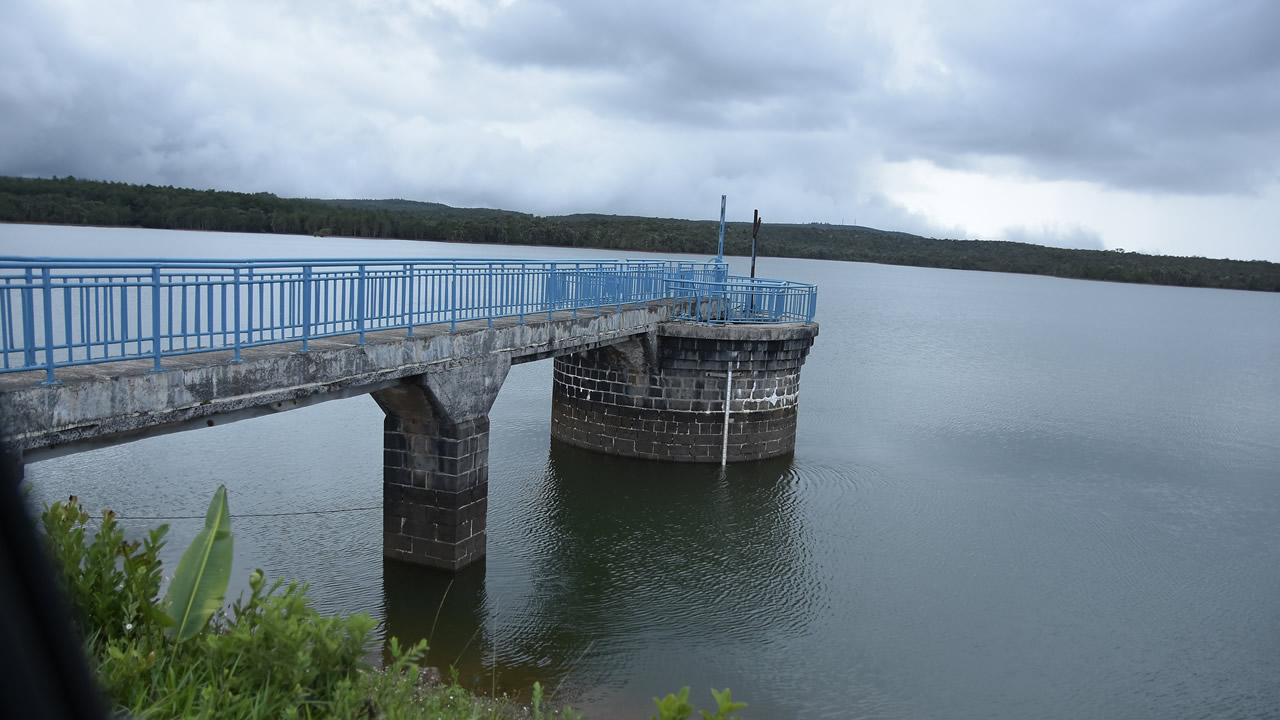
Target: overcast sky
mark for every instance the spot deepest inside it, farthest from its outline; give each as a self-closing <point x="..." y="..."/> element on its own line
<point x="1151" y="126"/>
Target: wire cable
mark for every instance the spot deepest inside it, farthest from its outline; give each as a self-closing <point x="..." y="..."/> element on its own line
<point x="118" y="516"/>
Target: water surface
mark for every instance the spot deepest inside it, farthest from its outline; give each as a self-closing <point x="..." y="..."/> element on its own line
<point x="1011" y="497"/>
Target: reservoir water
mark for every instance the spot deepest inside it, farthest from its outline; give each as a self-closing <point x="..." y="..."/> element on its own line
<point x="1011" y="497"/>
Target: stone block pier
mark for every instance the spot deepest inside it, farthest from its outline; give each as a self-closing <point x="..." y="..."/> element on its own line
<point x="689" y="393"/>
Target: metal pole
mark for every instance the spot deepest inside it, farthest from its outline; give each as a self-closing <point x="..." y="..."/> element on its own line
<point x="155" y="318"/>
<point x="360" y="304"/>
<point x="46" y="279"/>
<point x="408" y="296"/>
<point x="728" y="398"/>
<point x="29" y="320"/>
<point x="720" y="250"/>
<point x="453" y="298"/>
<point x="306" y="307"/>
<point x="755" y="229"/>
<point x="236" y="358"/>
<point x="551" y="291"/>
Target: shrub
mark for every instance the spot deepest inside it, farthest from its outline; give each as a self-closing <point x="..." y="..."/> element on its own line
<point x="273" y="655"/>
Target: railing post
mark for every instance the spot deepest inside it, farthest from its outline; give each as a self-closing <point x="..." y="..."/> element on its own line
<point x="306" y="307"/>
<point x="453" y="298"/>
<point x="408" y="297"/>
<point x="155" y="318"/>
<point x="606" y="279"/>
<point x="46" y="291"/>
<point x="29" y="320"/>
<point x="491" y="303"/>
<point x="249" y="286"/>
<point x="360" y="304"/>
<point x="551" y="291"/>
<point x="235" y="287"/>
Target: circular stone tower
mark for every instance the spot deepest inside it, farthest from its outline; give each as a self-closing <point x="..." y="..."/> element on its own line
<point x="686" y="393"/>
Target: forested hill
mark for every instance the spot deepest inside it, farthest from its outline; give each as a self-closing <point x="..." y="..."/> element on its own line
<point x="84" y="202"/>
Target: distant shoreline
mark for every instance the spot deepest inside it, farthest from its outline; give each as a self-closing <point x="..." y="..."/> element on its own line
<point x="74" y="202"/>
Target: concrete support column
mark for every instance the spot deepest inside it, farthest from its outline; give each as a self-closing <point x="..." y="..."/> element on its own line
<point x="436" y="463"/>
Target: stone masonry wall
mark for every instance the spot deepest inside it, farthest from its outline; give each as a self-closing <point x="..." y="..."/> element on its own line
<point x="435" y="490"/>
<point x="664" y="398"/>
<point x="435" y="463"/>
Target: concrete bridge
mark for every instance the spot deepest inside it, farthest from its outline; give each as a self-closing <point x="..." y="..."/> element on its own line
<point x="653" y="360"/>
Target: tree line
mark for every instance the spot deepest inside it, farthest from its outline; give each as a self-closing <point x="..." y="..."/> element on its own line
<point x="87" y="202"/>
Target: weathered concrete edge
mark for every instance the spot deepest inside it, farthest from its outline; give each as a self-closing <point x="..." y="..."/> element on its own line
<point x="111" y="403"/>
<point x="751" y="332"/>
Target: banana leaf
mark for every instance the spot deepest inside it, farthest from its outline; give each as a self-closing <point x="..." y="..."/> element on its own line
<point x="199" y="586"/>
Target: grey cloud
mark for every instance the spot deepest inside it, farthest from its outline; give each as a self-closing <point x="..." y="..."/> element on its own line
<point x="1171" y="97"/>
<point x="554" y="106"/>
<point x="708" y="64"/>
<point x="1157" y="96"/>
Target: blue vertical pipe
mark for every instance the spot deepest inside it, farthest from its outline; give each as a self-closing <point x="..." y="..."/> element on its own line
<point x="408" y="296"/>
<point x="236" y="289"/>
<point x="551" y="288"/>
<point x="306" y="307"/>
<point x="360" y="304"/>
<point x="155" y="318"/>
<point x="249" y="290"/>
<point x="577" y="274"/>
<point x="29" y="320"/>
<point x="124" y="316"/>
<point x="47" y="292"/>
<point x="182" y="283"/>
<point x="66" y="321"/>
<point x="520" y="294"/>
<point x="453" y="298"/>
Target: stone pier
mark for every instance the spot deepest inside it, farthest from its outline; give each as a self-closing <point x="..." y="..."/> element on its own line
<point x="664" y="396"/>
<point x="435" y="467"/>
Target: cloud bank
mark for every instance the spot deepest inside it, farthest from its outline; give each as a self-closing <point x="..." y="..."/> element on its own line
<point x="1136" y="125"/>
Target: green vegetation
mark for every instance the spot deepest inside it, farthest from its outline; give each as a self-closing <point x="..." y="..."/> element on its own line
<point x="677" y="707"/>
<point x="200" y="584"/>
<point x="272" y="656"/>
<point x="84" y="202"/>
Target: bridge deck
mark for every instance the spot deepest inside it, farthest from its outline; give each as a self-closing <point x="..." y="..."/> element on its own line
<point x="113" y="402"/>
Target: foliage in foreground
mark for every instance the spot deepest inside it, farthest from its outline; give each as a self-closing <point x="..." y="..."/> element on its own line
<point x="272" y="656"/>
<point x="677" y="707"/>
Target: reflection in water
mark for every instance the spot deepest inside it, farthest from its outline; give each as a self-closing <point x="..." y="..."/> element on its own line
<point x="413" y="596"/>
<point x="625" y="552"/>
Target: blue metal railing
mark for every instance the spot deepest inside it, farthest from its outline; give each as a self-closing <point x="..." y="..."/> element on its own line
<point x="58" y="312"/>
<point x="743" y="300"/>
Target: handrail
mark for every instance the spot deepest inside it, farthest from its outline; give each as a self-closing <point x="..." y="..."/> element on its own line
<point x="743" y="300"/>
<point x="59" y="312"/>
